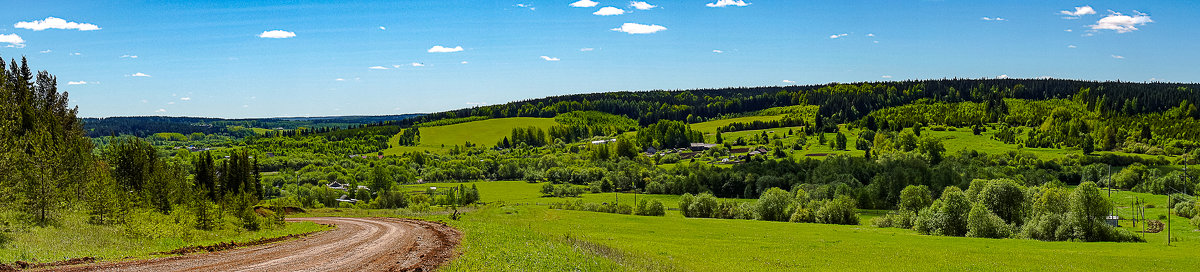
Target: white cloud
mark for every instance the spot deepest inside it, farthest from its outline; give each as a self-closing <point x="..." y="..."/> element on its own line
<point x="1122" y="23"/>
<point x="1044" y="77"/>
<point x="12" y="40"/>
<point x="1069" y="30"/>
<point x="129" y="56"/>
<point x="55" y="23"/>
<point x="382" y="28"/>
<point x="185" y="98"/>
<point x="549" y="58"/>
<point x="339" y="79"/>
<point x="584" y="4"/>
<point x="993" y="19"/>
<point x="145" y="101"/>
<point x="1118" y="57"/>
<point x="528" y="6"/>
<point x="464" y="62"/>
<point x="139" y="74"/>
<point x="1071" y="46"/>
<point x="609" y="11"/>
<point x="377" y="68"/>
<point x="1079" y="11"/>
<point x="633" y="28"/>
<point x="277" y="34"/>
<point x="641" y="5"/>
<point x="886" y="76"/>
<point x="161" y="110"/>
<point x="788" y="81"/>
<point x="76" y="54"/>
<point x="418" y="64"/>
<point x="77" y="82"/>
<point x="397" y="66"/>
<point x="1002" y="77"/>
<point x="171" y="103"/>
<point x="587" y="49"/>
<point x="718" y="51"/>
<point x="835" y="36"/>
<point x="443" y="49"/>
<point x="870" y="34"/>
<point x="725" y="3"/>
<point x="45" y="51"/>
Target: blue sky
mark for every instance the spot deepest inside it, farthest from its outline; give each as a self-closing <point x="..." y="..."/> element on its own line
<point x="225" y="59"/>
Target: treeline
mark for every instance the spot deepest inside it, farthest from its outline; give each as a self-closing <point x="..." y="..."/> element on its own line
<point x="410" y="137"/>
<point x="578" y="125"/>
<point x="668" y="134"/>
<point x="843" y="103"/>
<point x="50" y="171"/>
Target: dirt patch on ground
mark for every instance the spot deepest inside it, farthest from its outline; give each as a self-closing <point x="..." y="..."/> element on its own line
<point x="358" y="244"/>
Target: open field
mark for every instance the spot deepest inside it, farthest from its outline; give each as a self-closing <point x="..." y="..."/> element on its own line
<point x="711" y="126"/>
<point x="523" y="237"/>
<point x="486" y="133"/>
<point x="74" y="239"/>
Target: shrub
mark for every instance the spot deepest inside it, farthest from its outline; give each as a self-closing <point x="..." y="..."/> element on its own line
<point x="915" y="197"/>
<point x="623" y="209"/>
<point x="685" y="204"/>
<point x="983" y="223"/>
<point x="901" y="219"/>
<point x="774" y="204"/>
<point x="656" y="188"/>
<point x="1005" y="199"/>
<point x="947" y="216"/>
<point x="1195" y="222"/>
<point x="704" y="206"/>
<point x="650" y="208"/>
<point x="840" y="211"/>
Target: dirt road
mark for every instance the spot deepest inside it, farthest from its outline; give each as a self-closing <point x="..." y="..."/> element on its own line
<point x="358" y="244"/>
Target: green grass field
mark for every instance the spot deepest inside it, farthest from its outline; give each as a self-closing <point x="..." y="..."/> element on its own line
<point x="523" y="235"/>
<point x="73" y="238"/>
<point x="485" y="133"/>
<point x="711" y="126"/>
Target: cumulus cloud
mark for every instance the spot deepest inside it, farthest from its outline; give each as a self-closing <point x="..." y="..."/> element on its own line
<point x="443" y="49"/>
<point x="45" y="51"/>
<point x="185" y="98"/>
<point x="277" y="34"/>
<point x="1118" y="57"/>
<point x="339" y="79"/>
<point x="641" y="5"/>
<point x="382" y="28"/>
<point x="76" y="54"/>
<point x="139" y="74"/>
<point x="1044" y="77"/>
<point x="835" y="36"/>
<point x="549" y="58"/>
<point x="870" y="34"/>
<point x="1079" y="11"/>
<point x="377" y="68"/>
<point x="161" y="110"/>
<point x="464" y="62"/>
<point x="725" y="3"/>
<point x="584" y="4"/>
<point x="609" y="11"/>
<point x="12" y="40"/>
<point x="886" y="76"/>
<point x="1002" y="77"/>
<point x="528" y="6"/>
<point x="634" y="28"/>
<point x="418" y="64"/>
<point x="128" y="56"/>
<point x="55" y="23"/>
<point x="77" y="82"/>
<point x="788" y="81"/>
<point x="993" y="19"/>
<point x="587" y="49"/>
<point x="1122" y="23"/>
<point x="1071" y="46"/>
<point x="718" y="51"/>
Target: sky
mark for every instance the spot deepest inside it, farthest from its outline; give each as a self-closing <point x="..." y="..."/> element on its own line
<point x="239" y="59"/>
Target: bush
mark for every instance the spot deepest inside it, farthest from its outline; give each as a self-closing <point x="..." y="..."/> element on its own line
<point x="685" y="204"/>
<point x="840" y="211"/>
<point x="915" y="197"/>
<point x="656" y="187"/>
<point x="901" y="219"/>
<point x="983" y="223"/>
<point x="704" y="206"/>
<point x="947" y="216"/>
<point x="774" y="205"/>
<point x="623" y="209"/>
<point x="1195" y="222"/>
<point x="650" y="208"/>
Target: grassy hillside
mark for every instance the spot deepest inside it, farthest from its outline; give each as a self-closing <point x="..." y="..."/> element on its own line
<point x="711" y="126"/>
<point x="485" y="133"/>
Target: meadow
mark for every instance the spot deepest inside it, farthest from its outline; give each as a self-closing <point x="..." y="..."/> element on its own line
<point x="515" y="231"/>
<point x="485" y="132"/>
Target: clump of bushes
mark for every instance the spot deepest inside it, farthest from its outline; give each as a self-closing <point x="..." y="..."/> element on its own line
<point x="561" y="190"/>
<point x="579" y="205"/>
<point x="774" y="205"/>
<point x="650" y="208"/>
